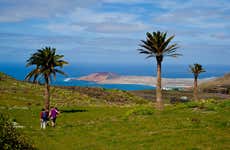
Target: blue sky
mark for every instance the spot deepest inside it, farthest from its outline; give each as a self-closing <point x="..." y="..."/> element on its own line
<point x="109" y="31"/>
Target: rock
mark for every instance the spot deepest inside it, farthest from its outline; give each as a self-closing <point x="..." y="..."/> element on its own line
<point x="182" y="99"/>
<point x="18" y="107"/>
<point x="16" y="125"/>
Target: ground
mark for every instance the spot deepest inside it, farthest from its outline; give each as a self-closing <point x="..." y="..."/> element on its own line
<point x="89" y="122"/>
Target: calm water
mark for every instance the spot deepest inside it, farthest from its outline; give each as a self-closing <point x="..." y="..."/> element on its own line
<point x="19" y="72"/>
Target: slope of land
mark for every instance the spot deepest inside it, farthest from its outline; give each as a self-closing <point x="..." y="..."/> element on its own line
<point x="22" y="93"/>
<point x="218" y="85"/>
<point x="111" y="78"/>
<point x="168" y="95"/>
<point x="89" y="121"/>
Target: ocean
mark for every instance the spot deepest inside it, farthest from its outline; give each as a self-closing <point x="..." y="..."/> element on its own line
<point x="19" y="72"/>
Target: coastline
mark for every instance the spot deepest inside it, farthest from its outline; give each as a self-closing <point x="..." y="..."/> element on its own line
<point x="145" y="80"/>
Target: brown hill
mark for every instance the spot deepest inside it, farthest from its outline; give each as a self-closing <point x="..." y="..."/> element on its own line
<point x="99" y="77"/>
<point x="217" y="85"/>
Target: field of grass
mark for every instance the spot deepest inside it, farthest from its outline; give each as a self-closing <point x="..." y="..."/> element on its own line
<point x="90" y="121"/>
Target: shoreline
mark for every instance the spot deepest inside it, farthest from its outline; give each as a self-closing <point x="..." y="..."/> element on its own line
<point x="144" y="80"/>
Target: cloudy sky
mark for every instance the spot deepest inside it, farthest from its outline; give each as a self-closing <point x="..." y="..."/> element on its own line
<point x="109" y="31"/>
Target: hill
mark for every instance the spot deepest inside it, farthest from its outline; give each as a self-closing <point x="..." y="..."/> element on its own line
<point x="113" y="78"/>
<point x="99" y="77"/>
<point x="218" y="85"/>
<point x="23" y="93"/>
<point x="95" y="118"/>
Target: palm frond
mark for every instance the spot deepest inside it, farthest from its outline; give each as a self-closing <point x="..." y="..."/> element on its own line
<point x="157" y="45"/>
<point x="174" y="55"/>
<point x="60" y="72"/>
<point x="34" y="73"/>
<point x="46" y="60"/>
<point x="196" y="69"/>
<point x="151" y="55"/>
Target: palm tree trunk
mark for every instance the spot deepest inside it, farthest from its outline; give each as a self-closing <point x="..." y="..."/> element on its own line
<point x="159" y="102"/>
<point x="47" y="96"/>
<point x="195" y="89"/>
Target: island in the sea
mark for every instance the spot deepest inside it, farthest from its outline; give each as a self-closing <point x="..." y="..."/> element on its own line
<point x="113" y="78"/>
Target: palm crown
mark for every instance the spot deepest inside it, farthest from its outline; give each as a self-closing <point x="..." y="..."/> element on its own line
<point x="156" y="45"/>
<point x="46" y="62"/>
<point x="196" y="69"/>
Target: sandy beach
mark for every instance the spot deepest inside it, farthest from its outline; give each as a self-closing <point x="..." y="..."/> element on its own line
<point x="109" y="78"/>
<point x="151" y="81"/>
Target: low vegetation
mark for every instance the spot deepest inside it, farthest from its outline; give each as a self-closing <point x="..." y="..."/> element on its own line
<point x="89" y="121"/>
<point x="10" y="138"/>
<point x="168" y="95"/>
<point x="27" y="94"/>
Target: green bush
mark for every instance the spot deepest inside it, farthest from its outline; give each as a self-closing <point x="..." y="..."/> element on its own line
<point x="225" y="104"/>
<point x="10" y="138"/>
<point x="210" y="107"/>
<point x="139" y="111"/>
<point x="207" y="105"/>
<point x="192" y="104"/>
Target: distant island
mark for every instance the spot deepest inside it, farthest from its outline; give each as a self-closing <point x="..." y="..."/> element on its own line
<point x="113" y="78"/>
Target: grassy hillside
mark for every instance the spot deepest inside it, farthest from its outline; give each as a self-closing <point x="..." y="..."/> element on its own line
<point x="167" y="95"/>
<point x="93" y="119"/>
<point x="22" y="93"/>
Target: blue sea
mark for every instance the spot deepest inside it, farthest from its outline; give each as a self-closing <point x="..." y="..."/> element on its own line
<point x="19" y="72"/>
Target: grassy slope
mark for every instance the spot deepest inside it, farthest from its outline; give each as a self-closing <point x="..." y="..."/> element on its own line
<point x="167" y="95"/>
<point x="90" y="123"/>
<point x="22" y="93"/>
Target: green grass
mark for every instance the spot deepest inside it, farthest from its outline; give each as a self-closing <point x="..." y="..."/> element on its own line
<point x="88" y="122"/>
<point x="109" y="128"/>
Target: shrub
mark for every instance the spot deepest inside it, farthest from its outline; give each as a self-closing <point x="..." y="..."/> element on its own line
<point x="10" y="138"/>
<point x="208" y="105"/>
<point x="225" y="104"/>
<point x="192" y="104"/>
<point x="139" y="111"/>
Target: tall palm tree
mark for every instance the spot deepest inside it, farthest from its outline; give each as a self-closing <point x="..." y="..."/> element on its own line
<point x="157" y="45"/>
<point x="196" y="69"/>
<point x="46" y="61"/>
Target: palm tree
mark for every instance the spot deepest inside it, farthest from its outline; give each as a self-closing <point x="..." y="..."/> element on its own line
<point x="46" y="61"/>
<point x="157" y="45"/>
<point x="196" y="69"/>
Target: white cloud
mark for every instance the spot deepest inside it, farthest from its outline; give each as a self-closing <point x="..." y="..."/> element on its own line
<point x="85" y="15"/>
<point x="95" y="21"/>
<point x="192" y="13"/>
<point x="106" y="26"/>
<point x="64" y="28"/>
<point x="118" y="27"/>
<point x="75" y="15"/>
<point x="14" y="10"/>
<point x="221" y="36"/>
<point x="194" y="20"/>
